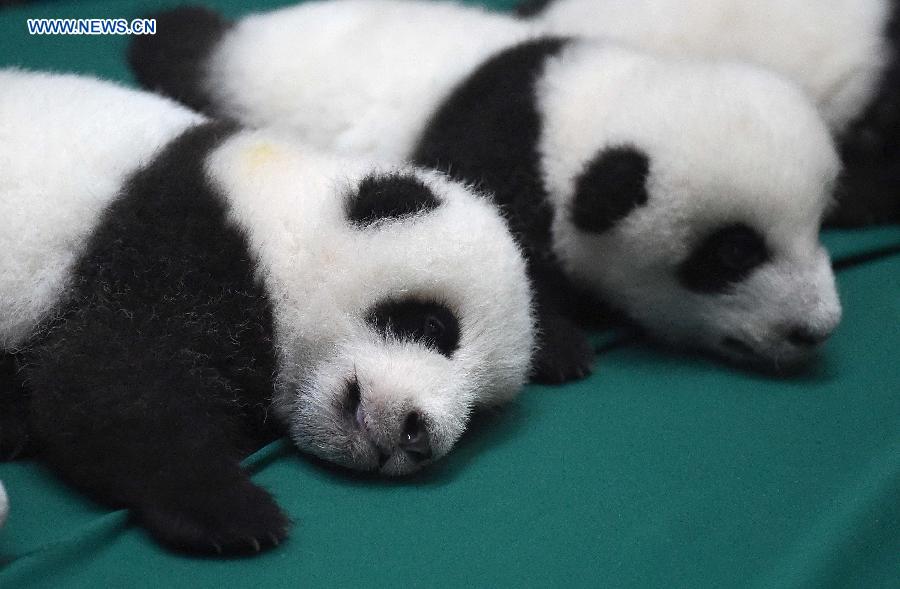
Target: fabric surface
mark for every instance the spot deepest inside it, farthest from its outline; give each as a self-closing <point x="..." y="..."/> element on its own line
<point x="661" y="470"/>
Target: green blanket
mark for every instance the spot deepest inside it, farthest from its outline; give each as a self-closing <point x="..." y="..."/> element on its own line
<point x="659" y="471"/>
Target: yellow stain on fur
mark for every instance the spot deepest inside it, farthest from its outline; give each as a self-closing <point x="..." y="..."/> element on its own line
<point x="260" y="154"/>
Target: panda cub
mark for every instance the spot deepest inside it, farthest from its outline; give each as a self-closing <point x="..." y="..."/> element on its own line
<point x="844" y="53"/>
<point x="174" y="290"/>
<point x="688" y="195"/>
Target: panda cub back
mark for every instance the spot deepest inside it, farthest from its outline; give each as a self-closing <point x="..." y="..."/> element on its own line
<point x="95" y="135"/>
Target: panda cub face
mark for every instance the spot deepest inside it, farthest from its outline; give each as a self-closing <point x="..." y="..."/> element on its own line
<point x="695" y="205"/>
<point x="400" y="300"/>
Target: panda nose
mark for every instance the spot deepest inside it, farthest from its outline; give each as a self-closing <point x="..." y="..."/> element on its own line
<point x="806" y="337"/>
<point x="414" y="438"/>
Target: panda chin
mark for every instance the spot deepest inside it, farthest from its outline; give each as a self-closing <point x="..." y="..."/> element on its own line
<point x="776" y="361"/>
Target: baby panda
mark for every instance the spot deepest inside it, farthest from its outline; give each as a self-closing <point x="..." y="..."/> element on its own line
<point x="687" y="195"/>
<point x="174" y="291"/>
<point x="844" y="53"/>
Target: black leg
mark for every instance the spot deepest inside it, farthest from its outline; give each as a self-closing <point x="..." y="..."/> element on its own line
<point x="15" y="441"/>
<point x="139" y="422"/>
<point x="564" y="352"/>
<point x="868" y="194"/>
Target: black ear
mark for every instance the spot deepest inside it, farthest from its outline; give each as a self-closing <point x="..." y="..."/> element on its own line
<point x="389" y="196"/>
<point x="612" y="185"/>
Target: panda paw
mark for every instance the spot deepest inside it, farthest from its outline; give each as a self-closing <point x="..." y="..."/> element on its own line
<point x="238" y="520"/>
<point x="564" y="354"/>
<point x="14" y="438"/>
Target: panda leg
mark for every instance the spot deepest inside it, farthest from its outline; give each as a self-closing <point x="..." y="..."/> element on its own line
<point x="14" y="436"/>
<point x="564" y="352"/>
<point x="136" y="418"/>
<point x="869" y="194"/>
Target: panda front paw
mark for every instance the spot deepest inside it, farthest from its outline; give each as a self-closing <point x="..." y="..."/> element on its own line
<point x="240" y="519"/>
<point x="14" y="437"/>
<point x="564" y="352"/>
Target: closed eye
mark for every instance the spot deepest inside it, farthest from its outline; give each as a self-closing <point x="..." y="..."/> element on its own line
<point x="431" y="324"/>
<point x="723" y="258"/>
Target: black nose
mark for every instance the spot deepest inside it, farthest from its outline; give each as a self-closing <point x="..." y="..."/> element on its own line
<point x="414" y="438"/>
<point x="805" y="337"/>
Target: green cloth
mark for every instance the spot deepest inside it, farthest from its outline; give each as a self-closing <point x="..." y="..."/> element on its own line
<point x="659" y="471"/>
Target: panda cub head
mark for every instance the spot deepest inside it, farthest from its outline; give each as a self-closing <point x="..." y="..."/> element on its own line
<point x="400" y="299"/>
<point x="692" y="200"/>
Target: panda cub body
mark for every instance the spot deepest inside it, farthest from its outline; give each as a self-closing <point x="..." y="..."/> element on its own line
<point x="845" y="54"/>
<point x="177" y="290"/>
<point x="688" y="195"/>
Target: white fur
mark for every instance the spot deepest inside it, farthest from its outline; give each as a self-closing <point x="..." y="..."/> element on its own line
<point x="4" y="505"/>
<point x="324" y="275"/>
<point x="834" y="48"/>
<point x="726" y="143"/>
<point x="66" y="145"/>
<point x="358" y="76"/>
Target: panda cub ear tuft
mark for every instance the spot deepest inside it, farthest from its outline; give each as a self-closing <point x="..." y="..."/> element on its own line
<point x="389" y="197"/>
<point x="612" y="185"/>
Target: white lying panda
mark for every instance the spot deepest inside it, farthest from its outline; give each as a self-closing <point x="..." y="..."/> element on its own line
<point x="688" y="195"/>
<point x="172" y="288"/>
<point x="845" y="54"/>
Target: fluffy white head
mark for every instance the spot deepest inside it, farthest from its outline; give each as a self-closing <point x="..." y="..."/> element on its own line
<point x="721" y="175"/>
<point x="835" y="49"/>
<point x="366" y="305"/>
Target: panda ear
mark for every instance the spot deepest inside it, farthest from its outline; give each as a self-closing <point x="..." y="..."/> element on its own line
<point x="611" y="186"/>
<point x="383" y="197"/>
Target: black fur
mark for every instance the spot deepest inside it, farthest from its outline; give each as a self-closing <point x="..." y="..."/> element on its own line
<point x="869" y="191"/>
<point x="530" y="8"/>
<point x="432" y="324"/>
<point x="153" y="382"/>
<point x="387" y="197"/>
<point x="486" y="133"/>
<point x="173" y="61"/>
<point x="723" y="258"/>
<point x="613" y="185"/>
<point x="15" y="439"/>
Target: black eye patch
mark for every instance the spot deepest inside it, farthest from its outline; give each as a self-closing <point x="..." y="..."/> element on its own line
<point x="389" y="196"/>
<point x="432" y="324"/>
<point x="723" y="258"/>
<point x="612" y="186"/>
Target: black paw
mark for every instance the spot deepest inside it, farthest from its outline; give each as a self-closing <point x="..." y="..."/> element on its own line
<point x="564" y="352"/>
<point x="14" y="437"/>
<point x="852" y="213"/>
<point x="239" y="519"/>
<point x="867" y="195"/>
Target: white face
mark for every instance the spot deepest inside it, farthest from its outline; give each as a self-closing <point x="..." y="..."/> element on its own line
<point x="715" y="280"/>
<point x="400" y="300"/>
<point x="694" y="203"/>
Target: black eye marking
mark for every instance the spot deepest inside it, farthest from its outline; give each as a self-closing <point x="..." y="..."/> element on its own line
<point x="389" y="196"/>
<point x="723" y="258"/>
<point x="432" y="324"/>
<point x="613" y="185"/>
